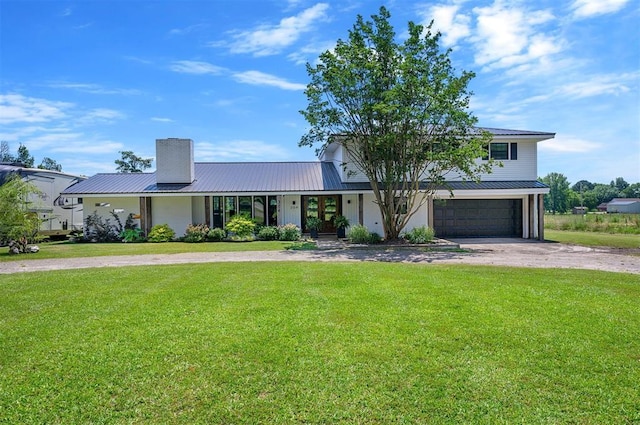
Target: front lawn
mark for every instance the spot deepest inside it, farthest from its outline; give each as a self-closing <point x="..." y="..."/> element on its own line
<point x="319" y="343"/>
<point x="74" y="250"/>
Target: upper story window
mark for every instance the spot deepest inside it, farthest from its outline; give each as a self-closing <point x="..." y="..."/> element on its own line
<point x="502" y="151"/>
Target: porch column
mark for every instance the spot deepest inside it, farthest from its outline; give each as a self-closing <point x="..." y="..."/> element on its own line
<point x="541" y="217"/>
<point x="207" y="211"/>
<point x="145" y="215"/>
<point x="430" y="211"/>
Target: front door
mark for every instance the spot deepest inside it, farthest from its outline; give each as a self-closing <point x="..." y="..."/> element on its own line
<point x="324" y="207"/>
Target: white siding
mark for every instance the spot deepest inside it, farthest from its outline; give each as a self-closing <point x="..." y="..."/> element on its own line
<point x="371" y="214"/>
<point x="105" y="205"/>
<point x="350" y="208"/>
<point x="524" y="168"/>
<point x="290" y="207"/>
<point x="198" y="210"/>
<point x="172" y="210"/>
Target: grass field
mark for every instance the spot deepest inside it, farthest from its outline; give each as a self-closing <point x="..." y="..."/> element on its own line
<point x="319" y="343"/>
<point x="616" y="240"/>
<point x="603" y="223"/>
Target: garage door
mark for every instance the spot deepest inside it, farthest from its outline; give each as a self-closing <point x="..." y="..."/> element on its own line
<point x="478" y="217"/>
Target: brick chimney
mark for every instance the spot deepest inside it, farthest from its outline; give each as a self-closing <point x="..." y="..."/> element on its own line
<point x="174" y="161"/>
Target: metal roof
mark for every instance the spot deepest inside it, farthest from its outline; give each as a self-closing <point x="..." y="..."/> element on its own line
<point x="507" y="132"/>
<point x="254" y="177"/>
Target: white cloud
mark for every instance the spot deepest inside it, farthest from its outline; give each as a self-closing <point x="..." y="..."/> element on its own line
<point x="508" y="36"/>
<point x="196" y="67"/>
<point x="160" y="119"/>
<point x="101" y="114"/>
<point x="599" y="85"/>
<point x="272" y="39"/>
<point x="589" y="8"/>
<point x="258" y="78"/>
<point x="15" y="108"/>
<point x="568" y="144"/>
<point x="240" y="150"/>
<point x="452" y="25"/>
<point x="93" y="88"/>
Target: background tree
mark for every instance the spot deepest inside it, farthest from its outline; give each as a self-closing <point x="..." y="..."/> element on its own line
<point x="16" y="219"/>
<point x="50" y="164"/>
<point x="131" y="163"/>
<point x="556" y="200"/>
<point x="5" y="152"/>
<point x="24" y="157"/>
<point x="400" y="112"/>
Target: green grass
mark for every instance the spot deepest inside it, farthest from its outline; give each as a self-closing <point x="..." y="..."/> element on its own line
<point x="74" y="250"/>
<point x="319" y="343"/>
<point x="625" y="241"/>
<point x="604" y="223"/>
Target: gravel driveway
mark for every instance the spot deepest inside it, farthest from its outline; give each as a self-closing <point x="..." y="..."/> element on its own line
<point x="502" y="252"/>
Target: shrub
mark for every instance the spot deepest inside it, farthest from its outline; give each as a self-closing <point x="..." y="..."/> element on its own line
<point x="132" y="235"/>
<point x="269" y="233"/>
<point x="359" y="234"/>
<point x="241" y="226"/>
<point x="216" y="235"/>
<point x="419" y="235"/>
<point x="161" y="233"/>
<point x="374" y="238"/>
<point x="290" y="232"/>
<point x="98" y="229"/>
<point x="196" y="233"/>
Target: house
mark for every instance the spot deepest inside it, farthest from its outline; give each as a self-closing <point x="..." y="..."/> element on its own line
<point x="624" y="205"/>
<point x="59" y="214"/>
<point x="507" y="202"/>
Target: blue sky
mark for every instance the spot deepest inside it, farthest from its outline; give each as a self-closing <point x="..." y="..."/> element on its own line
<point x="82" y="80"/>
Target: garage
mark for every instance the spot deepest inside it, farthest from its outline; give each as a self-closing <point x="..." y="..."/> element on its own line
<point x="478" y="218"/>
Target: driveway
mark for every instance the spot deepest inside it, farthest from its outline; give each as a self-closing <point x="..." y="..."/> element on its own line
<point x="499" y="252"/>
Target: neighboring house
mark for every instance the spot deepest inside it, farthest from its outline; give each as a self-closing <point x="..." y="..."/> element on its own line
<point x="508" y="202"/>
<point x="60" y="214"/>
<point x="624" y="205"/>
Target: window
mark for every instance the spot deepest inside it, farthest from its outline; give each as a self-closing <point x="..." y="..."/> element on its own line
<point x="258" y="209"/>
<point x="244" y="205"/>
<point x="229" y="208"/>
<point x="499" y="151"/>
<point x="502" y="151"/>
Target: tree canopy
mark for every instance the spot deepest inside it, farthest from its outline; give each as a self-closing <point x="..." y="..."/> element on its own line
<point x="399" y="110"/>
<point x="50" y="164"/>
<point x="16" y="219"/>
<point x="131" y="163"/>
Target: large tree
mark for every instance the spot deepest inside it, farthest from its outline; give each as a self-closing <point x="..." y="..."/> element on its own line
<point x="50" y="164"/>
<point x="131" y="163"/>
<point x="557" y="200"/>
<point x="399" y="110"/>
<point x="16" y="219"/>
<point x="24" y="157"/>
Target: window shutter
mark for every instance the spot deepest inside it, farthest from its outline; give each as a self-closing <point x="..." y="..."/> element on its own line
<point x="514" y="151"/>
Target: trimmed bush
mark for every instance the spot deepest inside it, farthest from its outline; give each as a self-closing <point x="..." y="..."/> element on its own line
<point x="241" y="226"/>
<point x="290" y="232"/>
<point x="161" y="233"/>
<point x="196" y="233"/>
<point x="216" y="235"/>
<point x="419" y="235"/>
<point x="359" y="234"/>
<point x="269" y="233"/>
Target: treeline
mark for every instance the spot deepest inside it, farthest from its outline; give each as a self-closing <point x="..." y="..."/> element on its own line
<point x="25" y="158"/>
<point x="563" y="196"/>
